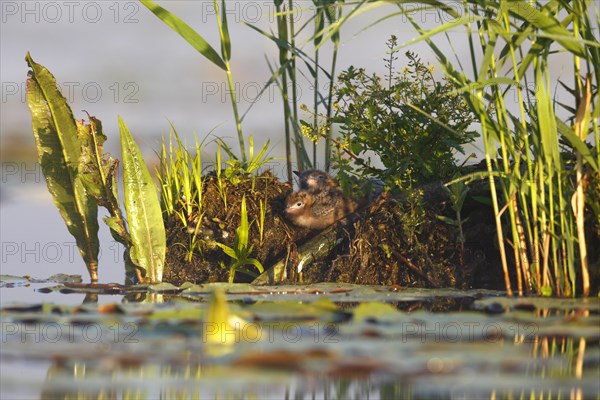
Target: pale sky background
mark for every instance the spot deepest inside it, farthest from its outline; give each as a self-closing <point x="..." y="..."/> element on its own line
<point x="116" y="58"/>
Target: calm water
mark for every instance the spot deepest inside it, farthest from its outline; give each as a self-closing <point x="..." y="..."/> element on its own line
<point x="292" y="342"/>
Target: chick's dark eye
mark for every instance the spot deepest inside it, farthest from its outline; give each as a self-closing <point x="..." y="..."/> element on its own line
<point x="298" y="204"/>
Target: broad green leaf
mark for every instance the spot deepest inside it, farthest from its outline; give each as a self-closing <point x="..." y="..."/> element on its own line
<point x="58" y="147"/>
<point x="228" y="250"/>
<point x="144" y="215"/>
<point x="98" y="171"/>
<point x="186" y="32"/>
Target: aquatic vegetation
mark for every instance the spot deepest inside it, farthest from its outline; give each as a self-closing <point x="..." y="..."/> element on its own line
<point x="405" y="130"/>
<point x="542" y="163"/>
<point x="81" y="177"/>
<point x="240" y="252"/>
<point x="142" y="206"/>
<point x="351" y="340"/>
<point x="59" y="152"/>
<point x="536" y="195"/>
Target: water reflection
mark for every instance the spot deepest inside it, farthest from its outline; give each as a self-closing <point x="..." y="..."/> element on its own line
<point x="440" y="376"/>
<point x="542" y="348"/>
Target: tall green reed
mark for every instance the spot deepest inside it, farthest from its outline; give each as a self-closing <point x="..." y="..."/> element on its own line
<point x="540" y="198"/>
<point x="293" y="44"/>
<point x="204" y="48"/>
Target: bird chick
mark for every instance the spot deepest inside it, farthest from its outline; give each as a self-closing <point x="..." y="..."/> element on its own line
<point x="314" y="180"/>
<point x="318" y="211"/>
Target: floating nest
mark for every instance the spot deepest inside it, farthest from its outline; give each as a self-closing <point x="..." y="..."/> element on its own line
<point x="392" y="241"/>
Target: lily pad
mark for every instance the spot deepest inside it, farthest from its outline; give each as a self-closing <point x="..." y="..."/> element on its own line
<point x="11" y="280"/>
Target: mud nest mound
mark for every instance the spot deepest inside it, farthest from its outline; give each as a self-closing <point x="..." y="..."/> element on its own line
<point x="392" y="241"/>
<point x="193" y="254"/>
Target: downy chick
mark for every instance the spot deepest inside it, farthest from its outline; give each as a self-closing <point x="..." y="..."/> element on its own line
<point x="318" y="211"/>
<point x="314" y="180"/>
<point x="320" y="184"/>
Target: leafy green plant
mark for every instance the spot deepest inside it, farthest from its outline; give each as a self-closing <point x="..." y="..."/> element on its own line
<point x="142" y="206"/>
<point x="181" y="178"/>
<point x="241" y="250"/>
<point x="98" y="172"/>
<point x="510" y="44"/>
<point x="533" y="190"/>
<point x="183" y="182"/>
<point x="80" y="177"/>
<point x="237" y="168"/>
<point x="59" y="151"/>
<point x="457" y="190"/>
<point x="410" y="124"/>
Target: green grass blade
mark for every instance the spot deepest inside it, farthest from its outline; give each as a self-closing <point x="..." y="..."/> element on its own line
<point x="224" y="32"/>
<point x="547" y="121"/>
<point x="58" y="147"/>
<point x="443" y="28"/>
<point x="244" y="228"/>
<point x="186" y="32"/>
<point x="547" y="23"/>
<point x="143" y="209"/>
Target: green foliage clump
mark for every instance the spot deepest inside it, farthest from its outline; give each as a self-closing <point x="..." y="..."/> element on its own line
<point x="81" y="177"/>
<point x="410" y="122"/>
